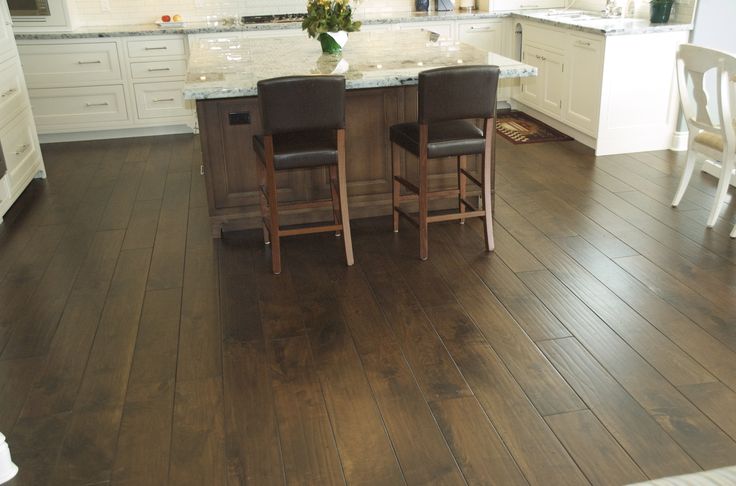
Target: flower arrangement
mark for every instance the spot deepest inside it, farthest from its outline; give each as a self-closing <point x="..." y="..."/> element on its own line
<point x="329" y="16"/>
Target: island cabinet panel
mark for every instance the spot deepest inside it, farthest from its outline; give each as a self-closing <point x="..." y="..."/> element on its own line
<point x="228" y="125"/>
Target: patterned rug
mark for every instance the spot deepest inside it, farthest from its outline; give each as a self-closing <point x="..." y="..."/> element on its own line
<point x="518" y="127"/>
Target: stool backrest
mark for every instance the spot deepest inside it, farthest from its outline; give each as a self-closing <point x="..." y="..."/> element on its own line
<point x="456" y="93"/>
<point x="693" y="64"/>
<point x="301" y="103"/>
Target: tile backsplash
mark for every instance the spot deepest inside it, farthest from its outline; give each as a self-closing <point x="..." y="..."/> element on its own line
<point x="114" y="12"/>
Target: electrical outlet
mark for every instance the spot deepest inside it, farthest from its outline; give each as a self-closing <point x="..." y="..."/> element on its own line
<point x="105" y="5"/>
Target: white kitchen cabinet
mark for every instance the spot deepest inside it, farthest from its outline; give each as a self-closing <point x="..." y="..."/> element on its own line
<point x="584" y="73"/>
<point x="544" y="91"/>
<point x="86" y="85"/>
<point x="19" y="145"/>
<point x="616" y="94"/>
<point x="483" y="34"/>
<point x="7" y="41"/>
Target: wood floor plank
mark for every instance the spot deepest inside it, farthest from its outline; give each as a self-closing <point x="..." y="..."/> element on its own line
<point x="307" y="442"/>
<point x="480" y="452"/>
<point x="667" y="358"/>
<point x="106" y="376"/>
<point x="252" y="433"/>
<point x="167" y="264"/>
<point x="154" y="173"/>
<point x="141" y="230"/>
<point x="198" y="434"/>
<point x="35" y="444"/>
<point x="540" y="381"/>
<point x="594" y="449"/>
<point x="534" y="447"/>
<point x="637" y="432"/>
<point x="406" y="414"/>
<point x="703" y="347"/>
<point x="717" y="401"/>
<point x="678" y="417"/>
<point x="119" y="207"/>
<point x="16" y="379"/>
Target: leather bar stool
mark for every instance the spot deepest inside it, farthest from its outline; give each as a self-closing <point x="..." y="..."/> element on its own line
<point x="450" y="99"/>
<point x="303" y="121"/>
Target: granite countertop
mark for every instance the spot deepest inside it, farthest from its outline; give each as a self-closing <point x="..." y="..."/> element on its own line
<point x="228" y="68"/>
<point x="594" y="24"/>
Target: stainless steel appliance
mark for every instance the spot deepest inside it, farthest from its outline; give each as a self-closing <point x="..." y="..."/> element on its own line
<point x="30" y="15"/>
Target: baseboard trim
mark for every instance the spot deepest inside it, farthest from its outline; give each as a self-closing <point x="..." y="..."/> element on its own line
<point x="679" y="141"/>
<point x="118" y="133"/>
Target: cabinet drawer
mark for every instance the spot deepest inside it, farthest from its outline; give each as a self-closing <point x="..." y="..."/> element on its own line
<point x="551" y="39"/>
<point x="483" y="35"/>
<point x="158" y="69"/>
<point x="69" y="106"/>
<point x="12" y="91"/>
<point x="20" y="146"/>
<point x="158" y="47"/>
<point x="160" y="100"/>
<point x="444" y="30"/>
<point x="62" y="64"/>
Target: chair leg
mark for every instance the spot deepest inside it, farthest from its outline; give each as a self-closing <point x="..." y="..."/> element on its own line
<point x="273" y="205"/>
<point x="261" y="172"/>
<point x="685" y="179"/>
<point x="343" y="193"/>
<point x="462" y="164"/>
<point x="423" y="207"/>
<point x="335" y="197"/>
<point x="487" y="196"/>
<point x="396" y="193"/>
<point x="723" y="182"/>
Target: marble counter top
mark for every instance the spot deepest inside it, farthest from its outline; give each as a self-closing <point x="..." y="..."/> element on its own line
<point x="227" y="68"/>
<point x="593" y="23"/>
<point x="594" y="26"/>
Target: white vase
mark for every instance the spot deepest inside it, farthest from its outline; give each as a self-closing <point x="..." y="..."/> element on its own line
<point x="8" y="470"/>
<point x="340" y="37"/>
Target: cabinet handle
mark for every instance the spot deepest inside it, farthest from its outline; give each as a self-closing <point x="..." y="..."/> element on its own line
<point x="151" y="70"/>
<point x="161" y="100"/>
<point x="22" y="149"/>
<point x="582" y="43"/>
<point x="162" y="48"/>
<point x="97" y="104"/>
<point x="541" y="58"/>
<point x="8" y="93"/>
<point x="481" y="29"/>
<point x="528" y="6"/>
<point x="90" y="62"/>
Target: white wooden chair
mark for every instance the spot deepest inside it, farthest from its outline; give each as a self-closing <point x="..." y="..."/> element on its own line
<point x="714" y="138"/>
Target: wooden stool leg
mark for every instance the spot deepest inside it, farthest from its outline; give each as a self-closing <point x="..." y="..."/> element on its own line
<point x="335" y="197"/>
<point x="423" y="194"/>
<point x="462" y="164"/>
<point x="261" y="171"/>
<point x="343" y="192"/>
<point x="488" y="167"/>
<point x="396" y="171"/>
<point x="273" y="206"/>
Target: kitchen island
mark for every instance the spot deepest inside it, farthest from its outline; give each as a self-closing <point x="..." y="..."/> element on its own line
<point x="381" y="71"/>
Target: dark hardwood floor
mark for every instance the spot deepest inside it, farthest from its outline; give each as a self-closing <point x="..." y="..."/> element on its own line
<point x="596" y="345"/>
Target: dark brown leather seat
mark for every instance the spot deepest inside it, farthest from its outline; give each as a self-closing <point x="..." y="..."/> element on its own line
<point x="450" y="100"/>
<point x="303" y="121"/>
<point x="300" y="150"/>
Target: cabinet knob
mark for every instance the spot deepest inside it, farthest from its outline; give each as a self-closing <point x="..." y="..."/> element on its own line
<point x="22" y="149"/>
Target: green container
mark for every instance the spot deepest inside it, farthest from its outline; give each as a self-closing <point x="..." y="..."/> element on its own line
<point x="329" y="44"/>
<point x="659" y="13"/>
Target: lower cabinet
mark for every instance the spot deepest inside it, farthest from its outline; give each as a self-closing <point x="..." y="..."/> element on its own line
<point x="83" y="85"/>
<point x="21" y="151"/>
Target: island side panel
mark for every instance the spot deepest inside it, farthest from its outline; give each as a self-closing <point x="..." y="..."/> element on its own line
<point x="230" y="162"/>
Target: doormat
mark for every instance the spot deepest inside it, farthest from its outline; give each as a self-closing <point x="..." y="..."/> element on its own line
<point x="518" y="127"/>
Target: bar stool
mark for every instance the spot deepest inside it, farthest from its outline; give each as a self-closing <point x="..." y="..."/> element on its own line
<point x="449" y="98"/>
<point x="303" y="120"/>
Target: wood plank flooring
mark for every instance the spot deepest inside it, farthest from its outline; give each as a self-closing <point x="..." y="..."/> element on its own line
<point x="596" y="345"/>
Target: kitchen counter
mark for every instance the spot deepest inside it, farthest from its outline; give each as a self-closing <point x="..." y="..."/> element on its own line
<point x="226" y="68"/>
<point x="613" y="26"/>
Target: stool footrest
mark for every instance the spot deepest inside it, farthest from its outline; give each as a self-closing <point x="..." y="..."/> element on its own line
<point x="431" y="195"/>
<point x="472" y="178"/>
<point x="309" y="229"/>
<point x="407" y="184"/>
<point x="454" y="216"/>
<point x="406" y="215"/>
<point x="468" y="205"/>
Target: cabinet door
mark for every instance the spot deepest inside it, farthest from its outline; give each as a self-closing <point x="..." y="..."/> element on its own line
<point x="585" y="72"/>
<point x="554" y="85"/>
<point x="7" y="41"/>
<point x="483" y="35"/>
<point x="532" y="88"/>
